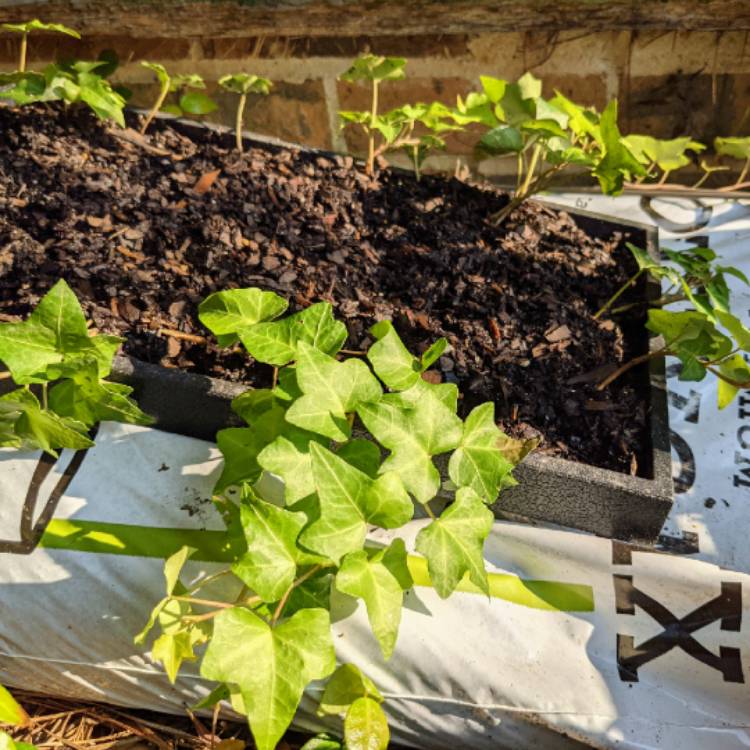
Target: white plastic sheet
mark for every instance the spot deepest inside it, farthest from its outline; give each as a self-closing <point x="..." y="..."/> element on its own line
<point x="584" y="640"/>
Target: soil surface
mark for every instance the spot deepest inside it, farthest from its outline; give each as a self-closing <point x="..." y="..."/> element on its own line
<point x="143" y="231"/>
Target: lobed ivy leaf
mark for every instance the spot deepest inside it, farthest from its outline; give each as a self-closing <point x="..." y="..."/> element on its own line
<point x="739" y="332"/>
<point x="415" y="426"/>
<point x="278" y="343"/>
<point x="503" y="139"/>
<point x="365" y="726"/>
<point x="349" y="500"/>
<point x="270" y="666"/>
<point x="37" y="25"/>
<point x="736" y="370"/>
<point x="245" y="83"/>
<point x="229" y="312"/>
<point x="380" y="578"/>
<point x="667" y="154"/>
<point x="453" y="543"/>
<point x="737" y="148"/>
<point x="618" y="161"/>
<point x="479" y="462"/>
<point x="362" y="454"/>
<point x="269" y="565"/>
<point x="330" y="390"/>
<point x="38" y="428"/>
<point x="344" y="686"/>
<point x="375" y="68"/>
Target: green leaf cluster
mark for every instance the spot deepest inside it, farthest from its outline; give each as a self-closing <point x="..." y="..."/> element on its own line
<point x="706" y="337"/>
<point x="51" y="356"/>
<point x="189" y="99"/>
<point x="354" y="442"/>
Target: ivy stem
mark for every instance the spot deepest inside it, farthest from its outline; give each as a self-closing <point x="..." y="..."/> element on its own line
<point x="628" y="365"/>
<point x="371" y="132"/>
<point x="744" y="171"/>
<point x="285" y="598"/>
<point x="22" y="52"/>
<point x="532" y="168"/>
<point x="736" y="383"/>
<point x="617" y="294"/>
<point x="238" y="122"/>
<point x="204" y="602"/>
<point x="44" y="395"/>
<point x="157" y="106"/>
<point x="429" y="510"/>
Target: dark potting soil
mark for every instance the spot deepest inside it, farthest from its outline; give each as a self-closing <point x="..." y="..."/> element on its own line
<point x="142" y="235"/>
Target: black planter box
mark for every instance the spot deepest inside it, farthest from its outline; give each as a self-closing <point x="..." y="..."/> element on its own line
<point x="550" y="489"/>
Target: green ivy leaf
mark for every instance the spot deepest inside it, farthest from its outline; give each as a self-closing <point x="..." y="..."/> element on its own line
<point x="618" y="162"/>
<point x="89" y="400"/>
<point x="331" y="390"/>
<point x="245" y="83"/>
<point x="380" y="578"/>
<point x="43" y="429"/>
<point x="37" y="25"/>
<point x="278" y="343"/>
<point x="365" y="726"/>
<point x="270" y="666"/>
<point x="323" y="741"/>
<point x="375" y="68"/>
<point x="391" y="360"/>
<point x="478" y="461"/>
<point x="8" y="743"/>
<point x="349" y="499"/>
<point x="453" y="543"/>
<point x="172" y="650"/>
<point x="288" y="456"/>
<point x="737" y="148"/>
<point x="10" y="711"/>
<point x="234" y="310"/>
<point x="197" y="103"/>
<point x="362" y="454"/>
<point x="270" y="563"/>
<point x="344" y="686"/>
<point x="739" y="332"/>
<point x="415" y="426"/>
<point x="736" y="369"/>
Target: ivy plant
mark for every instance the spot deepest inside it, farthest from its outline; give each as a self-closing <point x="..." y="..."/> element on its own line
<point x="244" y="84"/>
<point x="25" y="28"/>
<point x="189" y="100"/>
<point x="660" y="157"/>
<point x="706" y="337"/>
<point x="13" y="714"/>
<point x="374" y="70"/>
<point x="60" y="371"/>
<point x="323" y="429"/>
<point x="547" y="136"/>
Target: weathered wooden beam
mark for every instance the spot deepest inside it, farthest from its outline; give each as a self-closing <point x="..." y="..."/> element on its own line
<point x="306" y="18"/>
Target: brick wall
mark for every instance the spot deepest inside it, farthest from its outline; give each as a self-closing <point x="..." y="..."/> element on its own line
<point x="668" y="83"/>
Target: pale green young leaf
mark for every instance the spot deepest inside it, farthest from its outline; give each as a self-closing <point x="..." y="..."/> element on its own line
<point x="365" y="726"/>
<point x="618" y="162"/>
<point x="733" y="371"/>
<point x="233" y="310"/>
<point x="379" y="579"/>
<point x="344" y="686"/>
<point x="8" y="743"/>
<point x="254" y="403"/>
<point x="270" y="666"/>
<point x="37" y="25"/>
<point x="433" y="353"/>
<point x="10" y="711"/>
<point x="269" y="565"/>
<point x="323" y="741"/>
<point x="414" y="430"/>
<point x="454" y="542"/>
<point x="734" y="325"/>
<point x="737" y="148"/>
<point x="375" y="68"/>
<point x="172" y="649"/>
<point x="277" y="343"/>
<point x="478" y="461"/>
<point x="494" y="88"/>
<point x="160" y="70"/>
<point x="173" y="567"/>
<point x="331" y="390"/>
<point x="186" y="81"/>
<point x="391" y="360"/>
<point x="197" y="103"/>
<point x="349" y="499"/>
<point x="140" y="639"/>
<point x="245" y="83"/>
<point x="43" y="429"/>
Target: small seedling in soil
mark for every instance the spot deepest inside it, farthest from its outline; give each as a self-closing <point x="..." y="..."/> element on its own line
<point x="373" y="69"/>
<point x="692" y="335"/>
<point x="547" y="136"/>
<point x="323" y="429"/>
<point x="189" y="102"/>
<point x="244" y="84"/>
<point x="61" y="371"/>
<point x="24" y="29"/>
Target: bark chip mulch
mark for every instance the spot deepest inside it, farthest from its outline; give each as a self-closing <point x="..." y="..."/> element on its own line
<point x="144" y="230"/>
